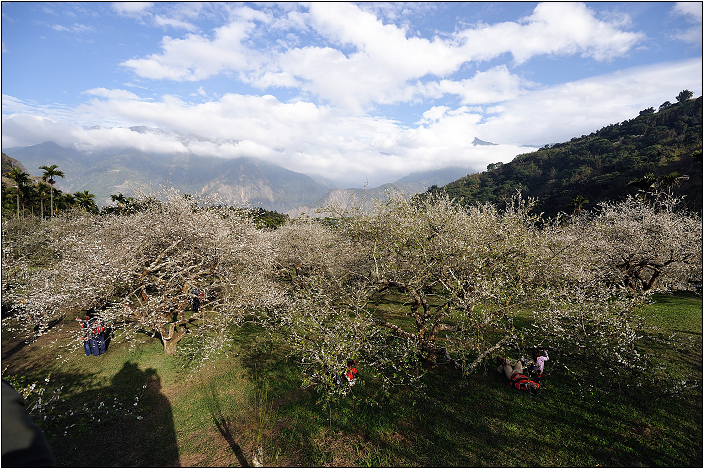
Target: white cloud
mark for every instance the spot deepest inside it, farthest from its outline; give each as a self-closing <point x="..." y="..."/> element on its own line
<point x="320" y="139"/>
<point x="385" y="45"/>
<point x="342" y="62"/>
<point x="691" y="35"/>
<point x="494" y="85"/>
<point x="434" y="113"/>
<point x="75" y="28"/>
<point x="196" y="57"/>
<point x="552" y="29"/>
<point x="112" y="94"/>
<point x="117" y="137"/>
<point x="131" y="8"/>
<point x="173" y="22"/>
<point x="199" y="92"/>
<point x="295" y="20"/>
<point x="134" y="85"/>
<point x="27" y="129"/>
<point x="59" y="112"/>
<point x="385" y="61"/>
<point x="692" y="12"/>
<point x="272" y="80"/>
<point x="568" y="110"/>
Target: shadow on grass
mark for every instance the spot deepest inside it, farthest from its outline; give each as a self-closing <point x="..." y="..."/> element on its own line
<point x="16" y="348"/>
<point x="481" y="421"/>
<point x="223" y="425"/>
<point x="30" y="340"/>
<point x="686" y="332"/>
<point x="128" y="423"/>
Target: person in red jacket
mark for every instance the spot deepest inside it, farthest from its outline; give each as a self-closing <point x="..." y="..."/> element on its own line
<point x="92" y="330"/>
<point x="351" y="373"/>
<point x="86" y="333"/>
<point x="516" y="378"/>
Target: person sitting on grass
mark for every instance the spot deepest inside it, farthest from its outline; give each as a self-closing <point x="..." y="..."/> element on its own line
<point x="516" y="378"/>
<point x="539" y="358"/>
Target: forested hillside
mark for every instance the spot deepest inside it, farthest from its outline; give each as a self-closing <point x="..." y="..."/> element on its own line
<point x="656" y="150"/>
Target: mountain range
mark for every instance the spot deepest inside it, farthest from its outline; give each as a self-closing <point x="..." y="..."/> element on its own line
<point x="656" y="150"/>
<point x="240" y="181"/>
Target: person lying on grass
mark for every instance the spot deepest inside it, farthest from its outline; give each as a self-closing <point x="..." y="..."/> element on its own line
<point x="516" y="378"/>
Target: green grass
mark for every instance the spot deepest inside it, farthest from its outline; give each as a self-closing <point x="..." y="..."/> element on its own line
<point x="677" y="313"/>
<point x="219" y="414"/>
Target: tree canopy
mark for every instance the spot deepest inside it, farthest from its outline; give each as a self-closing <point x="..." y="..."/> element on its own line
<point x="600" y="166"/>
<point x="460" y="275"/>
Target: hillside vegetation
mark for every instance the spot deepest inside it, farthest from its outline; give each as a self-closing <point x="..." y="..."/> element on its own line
<point x="609" y="164"/>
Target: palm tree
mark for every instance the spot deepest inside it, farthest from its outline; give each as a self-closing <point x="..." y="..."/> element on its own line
<point x="42" y="190"/>
<point x="120" y="199"/>
<point x="65" y="200"/>
<point x="21" y="178"/>
<point x="10" y="194"/>
<point x="50" y="172"/>
<point x="671" y="181"/>
<point x="85" y="200"/>
<point x="646" y="185"/>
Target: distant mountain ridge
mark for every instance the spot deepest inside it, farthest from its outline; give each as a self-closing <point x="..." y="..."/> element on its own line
<point x="240" y="181"/>
<point x="246" y="181"/>
<point x="408" y="185"/>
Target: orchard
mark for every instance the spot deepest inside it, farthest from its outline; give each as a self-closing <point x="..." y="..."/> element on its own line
<point x="463" y="274"/>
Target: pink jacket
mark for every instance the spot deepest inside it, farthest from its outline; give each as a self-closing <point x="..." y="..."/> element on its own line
<point x="541" y="362"/>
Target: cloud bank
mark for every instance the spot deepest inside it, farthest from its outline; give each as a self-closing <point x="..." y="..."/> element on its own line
<point x="341" y="68"/>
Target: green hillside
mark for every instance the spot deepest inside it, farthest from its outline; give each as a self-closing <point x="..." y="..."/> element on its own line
<point x="601" y="165"/>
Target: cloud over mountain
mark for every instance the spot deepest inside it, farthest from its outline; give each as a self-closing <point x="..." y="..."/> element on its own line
<point x="351" y="92"/>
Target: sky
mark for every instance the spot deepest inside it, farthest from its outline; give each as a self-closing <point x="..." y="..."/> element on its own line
<point x="355" y="93"/>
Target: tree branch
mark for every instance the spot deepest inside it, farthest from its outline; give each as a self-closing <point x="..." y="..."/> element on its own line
<point x="395" y="328"/>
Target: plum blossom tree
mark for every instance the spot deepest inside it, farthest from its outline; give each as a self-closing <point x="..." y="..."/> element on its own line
<point x="645" y="246"/>
<point x="595" y="330"/>
<point x="611" y="261"/>
<point x="141" y="269"/>
<point x="324" y="321"/>
<point x="462" y="274"/>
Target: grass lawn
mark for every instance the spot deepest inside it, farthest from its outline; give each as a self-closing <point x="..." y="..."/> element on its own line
<point x="250" y="397"/>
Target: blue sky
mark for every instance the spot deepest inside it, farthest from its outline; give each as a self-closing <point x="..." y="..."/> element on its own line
<point x="351" y="92"/>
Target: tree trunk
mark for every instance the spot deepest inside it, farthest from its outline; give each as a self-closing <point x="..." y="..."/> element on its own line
<point x="170" y="346"/>
<point x="171" y="339"/>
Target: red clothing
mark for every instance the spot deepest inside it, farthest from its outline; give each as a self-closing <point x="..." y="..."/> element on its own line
<point x="520" y="381"/>
<point x="351" y="373"/>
